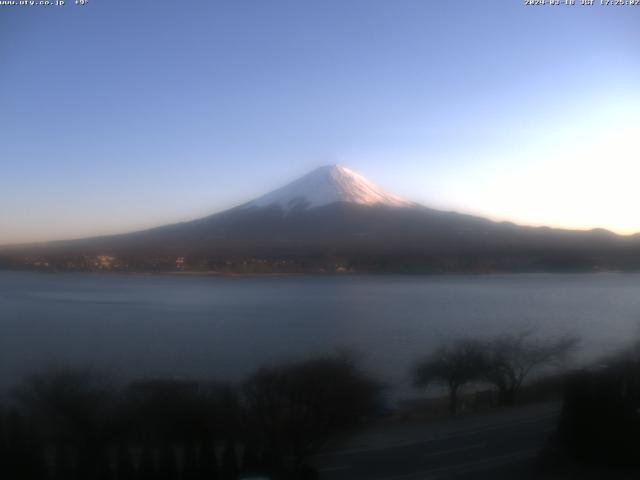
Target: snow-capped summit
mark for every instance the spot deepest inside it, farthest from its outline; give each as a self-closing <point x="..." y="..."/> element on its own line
<point x="326" y="185"/>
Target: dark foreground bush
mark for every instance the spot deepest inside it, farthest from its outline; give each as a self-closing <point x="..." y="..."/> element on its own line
<point x="599" y="423"/>
<point x="599" y="427"/>
<point x="76" y="425"/>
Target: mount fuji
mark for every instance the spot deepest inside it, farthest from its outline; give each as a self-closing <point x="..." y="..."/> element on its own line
<point x="333" y="219"/>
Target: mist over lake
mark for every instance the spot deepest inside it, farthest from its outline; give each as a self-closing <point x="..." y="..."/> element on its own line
<point x="224" y="327"/>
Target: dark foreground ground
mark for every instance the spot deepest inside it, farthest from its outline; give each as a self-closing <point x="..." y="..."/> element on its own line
<point x="501" y="445"/>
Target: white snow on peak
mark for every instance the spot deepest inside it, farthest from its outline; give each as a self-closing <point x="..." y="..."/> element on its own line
<point x="327" y="185"/>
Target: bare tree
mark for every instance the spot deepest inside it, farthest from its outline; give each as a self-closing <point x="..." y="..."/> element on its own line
<point x="511" y="358"/>
<point x="453" y="365"/>
<point x="294" y="409"/>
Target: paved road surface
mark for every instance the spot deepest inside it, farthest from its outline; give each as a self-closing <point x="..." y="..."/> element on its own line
<point x="496" y="446"/>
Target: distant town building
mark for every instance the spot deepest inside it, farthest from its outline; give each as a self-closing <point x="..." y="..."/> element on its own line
<point x="105" y="261"/>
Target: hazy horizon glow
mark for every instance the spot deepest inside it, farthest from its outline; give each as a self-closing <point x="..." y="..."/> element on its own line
<point x="119" y="116"/>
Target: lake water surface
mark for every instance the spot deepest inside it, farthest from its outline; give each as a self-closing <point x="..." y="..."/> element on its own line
<point x="223" y="328"/>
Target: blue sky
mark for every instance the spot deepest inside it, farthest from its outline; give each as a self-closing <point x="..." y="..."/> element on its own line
<point x="120" y="115"/>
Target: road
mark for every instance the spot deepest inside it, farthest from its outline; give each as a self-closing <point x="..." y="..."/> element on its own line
<point x="497" y="446"/>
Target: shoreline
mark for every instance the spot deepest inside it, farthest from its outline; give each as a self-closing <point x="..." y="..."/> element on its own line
<point x="217" y="274"/>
